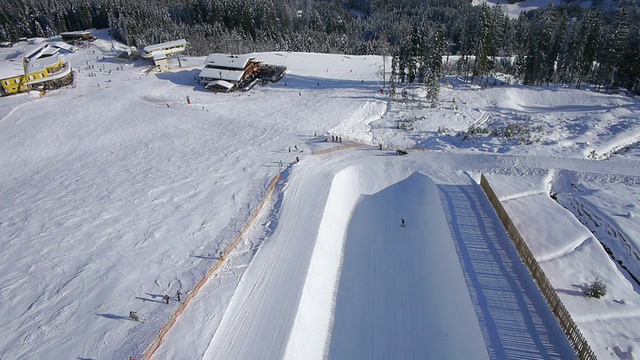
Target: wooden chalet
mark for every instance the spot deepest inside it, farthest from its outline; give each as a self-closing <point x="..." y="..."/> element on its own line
<point x="223" y="69"/>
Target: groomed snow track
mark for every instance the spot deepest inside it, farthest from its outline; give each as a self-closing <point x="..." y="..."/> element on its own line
<point x="342" y="279"/>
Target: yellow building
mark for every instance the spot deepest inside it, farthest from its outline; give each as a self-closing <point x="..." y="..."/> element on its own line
<point x="11" y="76"/>
<point x="39" y="73"/>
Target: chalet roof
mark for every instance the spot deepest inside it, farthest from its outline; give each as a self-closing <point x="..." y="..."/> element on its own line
<point x="228" y="61"/>
<point x="9" y="69"/>
<point x="222" y="74"/>
<point x="40" y="64"/>
<point x="220" y="83"/>
<point x="156" y="47"/>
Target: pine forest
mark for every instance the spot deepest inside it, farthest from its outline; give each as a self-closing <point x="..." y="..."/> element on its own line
<point x="565" y="44"/>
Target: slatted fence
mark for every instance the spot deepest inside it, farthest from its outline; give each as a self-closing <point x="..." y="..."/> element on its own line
<point x="577" y="340"/>
<point x="153" y="347"/>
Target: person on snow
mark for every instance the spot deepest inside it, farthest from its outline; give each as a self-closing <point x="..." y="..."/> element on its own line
<point x="402" y="222"/>
<point x="166" y="298"/>
<point x="133" y="316"/>
<point x="178" y="294"/>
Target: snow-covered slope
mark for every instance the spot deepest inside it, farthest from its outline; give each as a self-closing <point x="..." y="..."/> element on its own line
<point x="117" y="191"/>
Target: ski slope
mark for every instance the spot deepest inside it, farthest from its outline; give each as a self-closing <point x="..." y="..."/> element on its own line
<point x="116" y="192"/>
<point x="339" y="278"/>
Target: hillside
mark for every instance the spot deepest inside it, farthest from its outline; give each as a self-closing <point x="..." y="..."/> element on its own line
<point x="117" y="191"/>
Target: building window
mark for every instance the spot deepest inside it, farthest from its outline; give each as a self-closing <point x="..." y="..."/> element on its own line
<point x="30" y="77"/>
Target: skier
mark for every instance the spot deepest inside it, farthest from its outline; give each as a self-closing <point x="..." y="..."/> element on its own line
<point x="402" y="222"/>
<point x="297" y="159"/>
<point x="133" y="316"/>
<point x="166" y="298"/>
<point x="178" y="294"/>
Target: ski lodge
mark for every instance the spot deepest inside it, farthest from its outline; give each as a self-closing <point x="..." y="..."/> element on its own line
<point x="225" y="73"/>
<point x="40" y="67"/>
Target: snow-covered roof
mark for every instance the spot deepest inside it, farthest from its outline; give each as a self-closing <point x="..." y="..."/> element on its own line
<point x="156" y="47"/>
<point x="39" y="64"/>
<point x="222" y="74"/>
<point x="65" y="46"/>
<point x="228" y="61"/>
<point x="220" y="83"/>
<point x="74" y="33"/>
<point x="64" y="71"/>
<point x="49" y="51"/>
<point x="159" y="56"/>
<point x="31" y="51"/>
<point x="9" y="69"/>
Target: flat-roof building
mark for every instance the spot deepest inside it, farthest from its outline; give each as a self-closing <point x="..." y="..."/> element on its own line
<point x="76" y="35"/>
<point x="167" y="48"/>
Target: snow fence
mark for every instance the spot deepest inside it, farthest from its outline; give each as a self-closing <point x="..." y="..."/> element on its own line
<point x="153" y="347"/>
<point x="575" y="337"/>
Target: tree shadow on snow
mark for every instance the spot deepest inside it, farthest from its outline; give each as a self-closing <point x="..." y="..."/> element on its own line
<point x="114" y="317"/>
<point x="182" y="77"/>
<point x="320" y="83"/>
<point x="153" y="298"/>
<point x="207" y="257"/>
<point x="582" y="288"/>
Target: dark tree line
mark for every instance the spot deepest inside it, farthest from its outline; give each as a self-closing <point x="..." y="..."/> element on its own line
<point x="568" y="44"/>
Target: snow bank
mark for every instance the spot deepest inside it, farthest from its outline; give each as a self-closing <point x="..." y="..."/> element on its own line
<point x="572" y="258"/>
<point x="356" y="127"/>
<point x="311" y="328"/>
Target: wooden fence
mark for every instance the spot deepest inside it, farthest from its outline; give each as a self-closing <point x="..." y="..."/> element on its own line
<point x="341" y="147"/>
<point x="569" y="327"/>
<point x="153" y="347"/>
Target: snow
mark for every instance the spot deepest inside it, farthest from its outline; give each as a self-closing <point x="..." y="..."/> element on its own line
<point x="514" y="10"/>
<point x="117" y="191"/>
